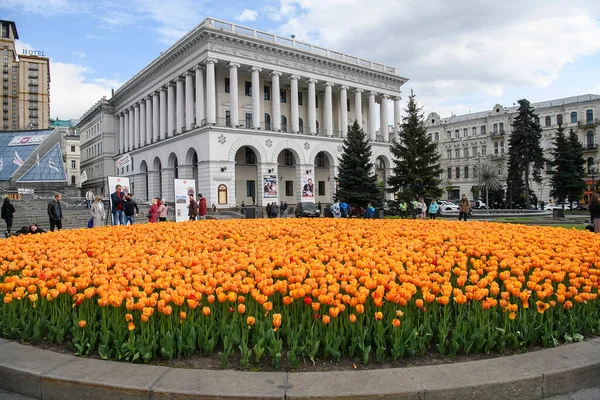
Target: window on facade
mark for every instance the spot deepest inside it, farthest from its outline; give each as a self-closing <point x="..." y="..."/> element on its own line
<point x="457" y="172"/>
<point x="321" y="191"/>
<point x="320" y="159"/>
<point x="502" y="148"/>
<point x="495" y="128"/>
<point x="474" y="131"/>
<point x="456" y="133"/>
<point x="288" y="158"/>
<point x="483" y="150"/>
<point x="559" y="119"/>
<point x="267" y="90"/>
<point x="456" y="153"/>
<point x="228" y="117"/>
<point x="465" y="132"/>
<point x="248" y="88"/>
<point x="590" y="140"/>
<point x="548" y="121"/>
<point x="449" y="154"/>
<point x="300" y="125"/>
<point x="72" y="164"/>
<point x="283" y="95"/>
<point x="250" y="156"/>
<point x="250" y="188"/>
<point x="590" y="162"/>
<point x="267" y="122"/>
<point x="227" y="86"/>
<point x="289" y="188"/>
<point x="299" y="98"/>
<point x="449" y="172"/>
<point x="483" y="129"/>
<point x="448" y="135"/>
<point x="589" y="116"/>
<point x="437" y="136"/>
<point x="496" y="148"/>
<point x="574" y="117"/>
<point x="72" y="179"/>
<point x="248" y="118"/>
<point x="284" y="127"/>
<point x="466" y="172"/>
<point x="466" y="152"/>
<point x="501" y="127"/>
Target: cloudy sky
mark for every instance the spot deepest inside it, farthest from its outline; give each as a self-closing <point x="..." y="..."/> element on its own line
<point x="460" y="56"/>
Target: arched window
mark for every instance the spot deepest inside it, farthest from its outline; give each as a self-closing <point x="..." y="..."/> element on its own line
<point x="267" y="122"/>
<point x="590" y="140"/>
<point x="589" y="116"/>
<point x="449" y="173"/>
<point x="548" y="121"/>
<point x="284" y="127"/>
<point x="457" y="172"/>
<point x="590" y="163"/>
<point x="466" y="172"/>
<point x="301" y="125"/>
<point x="559" y="119"/>
<point x="574" y="117"/>
<point x="222" y="192"/>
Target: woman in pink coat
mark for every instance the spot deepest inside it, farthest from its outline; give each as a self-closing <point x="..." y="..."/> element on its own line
<point x="153" y="212"/>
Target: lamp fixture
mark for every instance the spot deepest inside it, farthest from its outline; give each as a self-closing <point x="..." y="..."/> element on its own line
<point x="223" y="169"/>
<point x="309" y="171"/>
<point x="270" y="170"/>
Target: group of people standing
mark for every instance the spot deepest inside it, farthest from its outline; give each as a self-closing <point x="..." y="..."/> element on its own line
<point x="196" y="209"/>
<point x="274" y="211"/>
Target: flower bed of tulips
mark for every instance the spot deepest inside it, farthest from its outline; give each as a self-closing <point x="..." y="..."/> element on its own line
<point x="300" y="289"/>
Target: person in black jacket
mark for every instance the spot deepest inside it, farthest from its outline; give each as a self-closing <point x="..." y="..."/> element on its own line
<point x="130" y="209"/>
<point x="7" y="215"/>
<point x="55" y="213"/>
<point x="595" y="211"/>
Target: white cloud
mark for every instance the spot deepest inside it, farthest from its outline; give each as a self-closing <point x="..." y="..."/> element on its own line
<point x="247" y="15"/>
<point x="73" y="92"/>
<point x="80" y="55"/>
<point x="20" y="45"/>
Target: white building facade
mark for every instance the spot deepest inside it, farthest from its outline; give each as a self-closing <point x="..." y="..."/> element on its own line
<point x="229" y="106"/>
<point x="466" y="141"/>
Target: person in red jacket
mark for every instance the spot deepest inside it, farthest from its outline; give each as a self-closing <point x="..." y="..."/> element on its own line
<point x="201" y="206"/>
<point x="153" y="211"/>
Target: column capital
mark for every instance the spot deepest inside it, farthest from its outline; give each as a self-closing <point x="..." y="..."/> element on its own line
<point x="257" y="69"/>
<point x="189" y="73"/>
<point x="211" y="60"/>
<point x="273" y="73"/>
<point x="233" y="65"/>
<point x="180" y="79"/>
<point x="172" y="83"/>
<point x="384" y="97"/>
<point x="198" y="67"/>
<point x="149" y="97"/>
<point x="344" y="87"/>
<point x="330" y="84"/>
<point x="312" y="80"/>
<point x="295" y="77"/>
<point x="137" y="104"/>
<point x="397" y="98"/>
<point x="372" y="93"/>
<point x="358" y="90"/>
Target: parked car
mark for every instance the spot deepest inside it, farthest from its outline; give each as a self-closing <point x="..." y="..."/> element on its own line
<point x="448" y="206"/>
<point x="551" y="207"/>
<point x="307" y="210"/>
<point x="478" y="205"/>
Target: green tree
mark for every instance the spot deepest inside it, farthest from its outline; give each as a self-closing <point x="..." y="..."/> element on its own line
<point x="357" y="182"/>
<point x="577" y="182"/>
<point x="416" y="170"/>
<point x="561" y="166"/>
<point x="488" y="180"/>
<point x="524" y="151"/>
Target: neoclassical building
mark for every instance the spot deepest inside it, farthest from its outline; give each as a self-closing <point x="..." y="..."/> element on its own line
<point x="465" y="141"/>
<point x="233" y="108"/>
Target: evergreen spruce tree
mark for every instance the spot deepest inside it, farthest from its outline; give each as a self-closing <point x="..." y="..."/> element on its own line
<point x="416" y="170"/>
<point x="357" y="182"/>
<point x="577" y="171"/>
<point x="560" y="174"/>
<point x="525" y="154"/>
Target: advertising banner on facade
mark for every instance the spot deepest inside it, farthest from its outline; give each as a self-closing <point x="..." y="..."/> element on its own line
<point x="308" y="188"/>
<point x="270" y="186"/>
<point x="113" y="181"/>
<point x="183" y="189"/>
<point x="124" y="161"/>
<point x="27" y="140"/>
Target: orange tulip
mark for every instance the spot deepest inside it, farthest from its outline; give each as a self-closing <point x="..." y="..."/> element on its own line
<point x="396" y="322"/>
<point x="82" y="323"/>
<point x="206" y="311"/>
<point x="241" y="308"/>
<point x="250" y="321"/>
<point x="326" y="319"/>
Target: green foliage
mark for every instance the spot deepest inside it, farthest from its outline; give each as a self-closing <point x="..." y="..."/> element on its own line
<point x="416" y="170"/>
<point x="525" y="153"/>
<point x="356" y="179"/>
<point x="577" y="184"/>
<point x="567" y="175"/>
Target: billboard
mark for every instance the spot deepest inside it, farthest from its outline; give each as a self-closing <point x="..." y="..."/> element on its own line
<point x="308" y="187"/>
<point x="27" y="140"/>
<point x="183" y="189"/>
<point x="270" y="186"/>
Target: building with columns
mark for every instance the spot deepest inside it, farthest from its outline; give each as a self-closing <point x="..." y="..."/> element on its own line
<point x="233" y="107"/>
<point x="465" y="141"/>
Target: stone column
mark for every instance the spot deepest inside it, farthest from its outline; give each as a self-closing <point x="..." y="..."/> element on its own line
<point x="371" y="123"/>
<point x="397" y="118"/>
<point x="180" y="105"/>
<point x="255" y="97"/>
<point x="131" y="131"/>
<point x="155" y="116"/>
<point x="328" y="109"/>
<point x="136" y="126"/>
<point x="154" y="189"/>
<point x="312" y="107"/>
<point x="358" y="106"/>
<point x="344" y="110"/>
<point x="163" y="113"/>
<point x="234" y="94"/>
<point x="276" y="101"/>
<point x="383" y="117"/>
<point x="149" y="127"/>
<point x="211" y="92"/>
<point x="121" y="133"/>
<point x="168" y="190"/>
<point x="295" y="115"/>
<point x="125" y="131"/>
<point x="142" y="123"/>
<point x="189" y="100"/>
<point x="200" y="115"/>
<point x="170" y="109"/>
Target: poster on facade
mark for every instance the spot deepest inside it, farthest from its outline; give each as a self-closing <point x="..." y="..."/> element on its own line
<point x="270" y="186"/>
<point x="183" y="189"/>
<point x="113" y="181"/>
<point x="308" y="188"/>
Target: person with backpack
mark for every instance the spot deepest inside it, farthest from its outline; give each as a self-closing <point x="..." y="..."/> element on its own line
<point x="7" y="213"/>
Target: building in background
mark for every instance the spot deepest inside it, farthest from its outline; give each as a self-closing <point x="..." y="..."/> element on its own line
<point x="466" y="141"/>
<point x="25" y="84"/>
<point x="248" y="114"/>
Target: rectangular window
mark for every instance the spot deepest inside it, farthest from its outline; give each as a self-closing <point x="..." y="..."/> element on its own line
<point x="248" y="88"/>
<point x="449" y="154"/>
<point x="250" y="188"/>
<point x="465" y="132"/>
<point x="456" y="153"/>
<point x="496" y="148"/>
<point x="321" y="189"/>
<point x="289" y="188"/>
<point x="248" y="120"/>
<point x="574" y="117"/>
<point x="456" y="133"/>
<point x="483" y="150"/>
<point x="283" y="96"/>
<point x="72" y="164"/>
<point x="250" y="156"/>
<point x="299" y="98"/>
<point x="474" y="129"/>
<point x="228" y="117"/>
<point x="437" y="137"/>
<point x="466" y="152"/>
<point x="72" y="149"/>
<point x="288" y="158"/>
<point x="267" y="90"/>
<point x="483" y="129"/>
<point x="449" y="135"/>
<point x="227" y="86"/>
<point x="474" y="150"/>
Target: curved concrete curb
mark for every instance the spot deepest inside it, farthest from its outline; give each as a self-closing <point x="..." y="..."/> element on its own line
<point x="48" y="375"/>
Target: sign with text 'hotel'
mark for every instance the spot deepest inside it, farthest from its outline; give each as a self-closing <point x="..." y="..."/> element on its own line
<point x="27" y="140"/>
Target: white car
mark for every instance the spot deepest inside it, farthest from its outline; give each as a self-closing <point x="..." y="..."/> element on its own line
<point x="447" y="206"/>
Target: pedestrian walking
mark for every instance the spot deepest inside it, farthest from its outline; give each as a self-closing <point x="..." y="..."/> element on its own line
<point x="595" y="211"/>
<point x="370" y="212"/>
<point x="7" y="213"/>
<point x="243" y="208"/>
<point x="464" y="207"/>
<point x="155" y="211"/>
<point x="201" y="207"/>
<point x="281" y="210"/>
<point x="98" y="213"/>
<point x="89" y="198"/>
<point x="130" y="209"/>
<point x="117" y="199"/>
<point x="192" y="208"/>
<point x="55" y="213"/>
<point x="336" y="210"/>
<point x="433" y="209"/>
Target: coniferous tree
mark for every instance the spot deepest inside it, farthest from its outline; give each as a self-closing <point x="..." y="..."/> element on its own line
<point x="577" y="172"/>
<point x="357" y="182"/>
<point x="525" y="154"/>
<point x="416" y="169"/>
<point x="560" y="174"/>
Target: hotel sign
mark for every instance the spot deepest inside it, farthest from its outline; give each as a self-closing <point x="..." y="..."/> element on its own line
<point x="27" y="140"/>
<point x="37" y="53"/>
